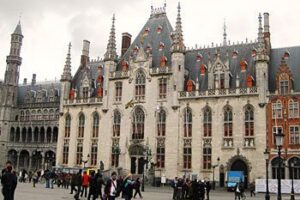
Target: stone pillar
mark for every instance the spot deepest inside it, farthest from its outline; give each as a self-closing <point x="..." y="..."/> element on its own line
<point x="18" y="162"/>
<point x="51" y="140"/>
<point x="30" y="161"/>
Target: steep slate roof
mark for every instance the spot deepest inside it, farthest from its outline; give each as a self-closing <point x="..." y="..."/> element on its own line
<point x="154" y="39"/>
<point x="22" y="89"/>
<point x="293" y="62"/>
<point x="244" y="52"/>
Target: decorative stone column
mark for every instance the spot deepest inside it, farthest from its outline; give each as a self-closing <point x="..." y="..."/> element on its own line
<point x="18" y="161"/>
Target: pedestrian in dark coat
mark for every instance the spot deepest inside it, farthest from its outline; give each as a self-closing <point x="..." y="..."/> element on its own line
<point x="73" y="182"/>
<point x="207" y="188"/>
<point x="195" y="192"/>
<point x="9" y="184"/>
<point x="100" y="182"/>
<point x="137" y="187"/>
<point x="111" y="188"/>
<point x="174" y="186"/>
<point x="78" y="183"/>
<point x="128" y="187"/>
<point x="93" y="186"/>
<point x="201" y="190"/>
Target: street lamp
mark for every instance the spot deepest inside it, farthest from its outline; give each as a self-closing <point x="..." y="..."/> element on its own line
<point x="292" y="170"/>
<point x="147" y="154"/>
<point x="85" y="161"/>
<point x="267" y="154"/>
<point x="214" y="166"/>
<point x="279" y="142"/>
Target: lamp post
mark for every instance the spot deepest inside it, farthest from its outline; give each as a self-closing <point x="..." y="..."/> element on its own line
<point x="147" y="154"/>
<point x="279" y="142"/>
<point x="214" y="166"/>
<point x="85" y="161"/>
<point x="267" y="154"/>
<point x="292" y="191"/>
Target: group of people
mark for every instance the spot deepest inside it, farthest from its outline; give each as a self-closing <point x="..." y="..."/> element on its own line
<point x="187" y="189"/>
<point x="90" y="186"/>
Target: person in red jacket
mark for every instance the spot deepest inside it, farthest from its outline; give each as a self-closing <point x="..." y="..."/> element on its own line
<point x="85" y="184"/>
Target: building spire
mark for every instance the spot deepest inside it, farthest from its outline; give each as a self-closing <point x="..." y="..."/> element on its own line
<point x="178" y="45"/>
<point x="224" y="34"/>
<point x="261" y="50"/>
<point x="67" y="76"/>
<point x="18" y="29"/>
<point x="111" y="53"/>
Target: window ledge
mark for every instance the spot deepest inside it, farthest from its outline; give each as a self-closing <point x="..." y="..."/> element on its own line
<point x="117" y="103"/>
<point x="250" y="148"/>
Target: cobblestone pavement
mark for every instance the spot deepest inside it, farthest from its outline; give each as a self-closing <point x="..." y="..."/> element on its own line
<point x="25" y="191"/>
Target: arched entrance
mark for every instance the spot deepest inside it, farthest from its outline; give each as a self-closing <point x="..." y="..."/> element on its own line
<point x="136" y="153"/>
<point x="49" y="159"/>
<point x="12" y="157"/>
<point x="240" y="165"/>
<point x="24" y="160"/>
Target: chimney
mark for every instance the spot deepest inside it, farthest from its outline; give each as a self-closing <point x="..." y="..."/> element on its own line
<point x="85" y="53"/>
<point x="266" y="23"/>
<point x="25" y="81"/>
<point x="126" y="41"/>
<point x="33" y="81"/>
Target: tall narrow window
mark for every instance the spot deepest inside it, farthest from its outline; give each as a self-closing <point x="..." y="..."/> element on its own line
<point x="22" y="116"/>
<point x="65" y="153"/>
<point x="118" y="91"/>
<point x="293" y="109"/>
<point x="79" y="154"/>
<point x="94" y="154"/>
<point x="161" y="123"/>
<point x="160" y="157"/>
<point x="115" y="156"/>
<point x="284" y="83"/>
<point x="27" y="115"/>
<point x="207" y="122"/>
<point x="227" y="122"/>
<point x="294" y="135"/>
<point x="188" y="122"/>
<point x="222" y="81"/>
<point x="85" y="92"/>
<point x="138" y="124"/>
<point x="187" y="157"/>
<point x="294" y="172"/>
<point x="249" y="121"/>
<point x="277" y="110"/>
<point x="67" y="126"/>
<point x="117" y="124"/>
<point x="206" y="158"/>
<point x="162" y="88"/>
<point x="275" y="168"/>
<point x="81" y="126"/>
<point x="140" y="85"/>
<point x="95" y="125"/>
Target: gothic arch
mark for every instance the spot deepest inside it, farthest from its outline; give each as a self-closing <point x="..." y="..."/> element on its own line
<point x="136" y="150"/>
<point x="236" y="158"/>
<point x="137" y="107"/>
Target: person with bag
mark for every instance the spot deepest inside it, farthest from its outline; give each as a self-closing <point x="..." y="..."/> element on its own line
<point x="137" y="187"/>
<point x="111" y="188"/>
<point x="128" y="187"/>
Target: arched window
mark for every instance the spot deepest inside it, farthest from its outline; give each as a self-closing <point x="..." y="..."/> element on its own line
<point x="94" y="154"/>
<point x="65" y="153"/>
<point x="294" y="171"/>
<point x="207" y="122"/>
<point x="56" y="114"/>
<point x="138" y="124"/>
<point x="79" y="153"/>
<point x="161" y="123"/>
<point x="188" y="122"/>
<point x="207" y="158"/>
<point x="277" y="109"/>
<point x="81" y="125"/>
<point x="45" y="114"/>
<point x="39" y="115"/>
<point x="249" y="121"/>
<point x="22" y="116"/>
<point x="140" y="85"/>
<point x="51" y="114"/>
<point x="275" y="167"/>
<point x="117" y="124"/>
<point x="95" y="125"/>
<point x="27" y="115"/>
<point x="227" y="122"/>
<point x="12" y="134"/>
<point x="67" y="126"/>
<point x="293" y="109"/>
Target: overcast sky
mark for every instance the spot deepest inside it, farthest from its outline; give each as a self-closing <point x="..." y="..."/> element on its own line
<point x="49" y="25"/>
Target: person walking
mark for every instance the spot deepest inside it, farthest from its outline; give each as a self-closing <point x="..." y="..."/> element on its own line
<point x="128" y="187"/>
<point x="100" y="182"/>
<point x="9" y="183"/>
<point x="137" y="187"/>
<point x="252" y="189"/>
<point x="92" y="186"/>
<point x="78" y="183"/>
<point x="73" y="183"/>
<point x="85" y="184"/>
<point x="207" y="188"/>
<point x="111" y="188"/>
<point x="237" y="191"/>
<point x="174" y="186"/>
<point x="202" y="190"/>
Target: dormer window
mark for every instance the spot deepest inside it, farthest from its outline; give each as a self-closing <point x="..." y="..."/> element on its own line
<point x="284" y="83"/>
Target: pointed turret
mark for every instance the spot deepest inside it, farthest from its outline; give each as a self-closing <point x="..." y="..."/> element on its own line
<point x="67" y="76"/>
<point x="261" y="51"/>
<point x="224" y="34"/>
<point x="18" y="29"/>
<point x="111" y="53"/>
<point x="178" y="45"/>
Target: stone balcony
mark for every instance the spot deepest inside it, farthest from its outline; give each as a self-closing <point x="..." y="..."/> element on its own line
<point x="119" y="75"/>
<point x="84" y="101"/>
<point x="219" y="93"/>
<point x="161" y="70"/>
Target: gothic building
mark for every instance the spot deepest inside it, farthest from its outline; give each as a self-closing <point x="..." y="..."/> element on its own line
<point x="29" y="115"/>
<point x="186" y="111"/>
